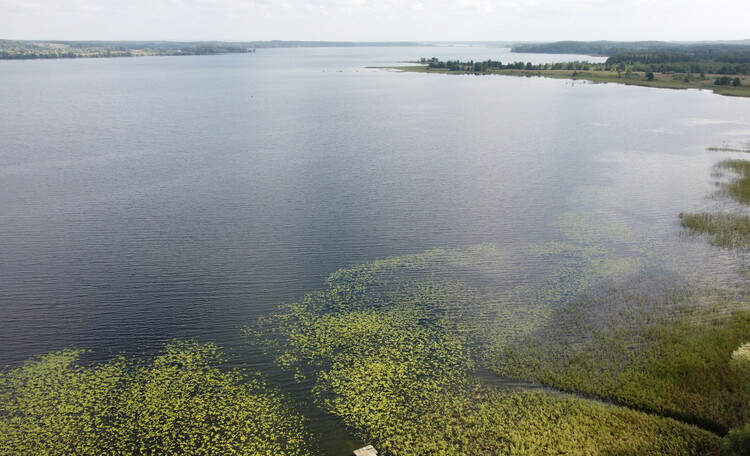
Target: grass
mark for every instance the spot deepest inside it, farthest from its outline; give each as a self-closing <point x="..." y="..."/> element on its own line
<point x="661" y="80"/>
<point x="533" y="423"/>
<point x="738" y="188"/>
<point x="677" y="364"/>
<point x="727" y="230"/>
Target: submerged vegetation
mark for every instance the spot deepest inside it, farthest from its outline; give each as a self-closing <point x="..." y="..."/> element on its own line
<point x="393" y="349"/>
<point x="179" y="403"/>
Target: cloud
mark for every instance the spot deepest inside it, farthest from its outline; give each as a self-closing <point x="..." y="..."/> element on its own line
<point x="374" y="20"/>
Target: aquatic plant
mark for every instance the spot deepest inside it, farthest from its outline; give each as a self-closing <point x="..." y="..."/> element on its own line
<point x="664" y="351"/>
<point x="738" y="187"/>
<point x="737" y="442"/>
<point x="392" y="347"/>
<point x="726" y="230"/>
<point x="741" y="360"/>
<point x="745" y="147"/>
<point x="487" y="421"/>
<point x="178" y="403"/>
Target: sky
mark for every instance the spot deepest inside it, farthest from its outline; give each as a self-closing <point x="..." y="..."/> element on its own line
<point x="375" y="20"/>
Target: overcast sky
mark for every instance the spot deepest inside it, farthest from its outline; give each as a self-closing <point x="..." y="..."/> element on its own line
<point x="371" y="20"/>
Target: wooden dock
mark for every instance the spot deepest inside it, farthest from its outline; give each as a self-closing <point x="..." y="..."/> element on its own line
<point x="369" y="450"/>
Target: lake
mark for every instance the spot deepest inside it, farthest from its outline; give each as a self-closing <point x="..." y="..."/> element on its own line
<point x="148" y="199"/>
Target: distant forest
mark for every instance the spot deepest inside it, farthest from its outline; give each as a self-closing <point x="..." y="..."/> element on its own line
<point x="10" y="49"/>
<point x="656" y="56"/>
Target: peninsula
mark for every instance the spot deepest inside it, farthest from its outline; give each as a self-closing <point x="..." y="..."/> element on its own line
<point x="720" y="67"/>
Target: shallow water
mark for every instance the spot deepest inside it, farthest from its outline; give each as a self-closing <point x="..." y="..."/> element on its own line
<point x="148" y="199"/>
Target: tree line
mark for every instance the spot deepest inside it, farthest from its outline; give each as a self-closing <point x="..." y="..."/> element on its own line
<point x="90" y="49"/>
<point x="631" y="62"/>
<point x="489" y="65"/>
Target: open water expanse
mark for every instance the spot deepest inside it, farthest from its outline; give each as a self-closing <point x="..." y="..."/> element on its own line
<point x="148" y="199"/>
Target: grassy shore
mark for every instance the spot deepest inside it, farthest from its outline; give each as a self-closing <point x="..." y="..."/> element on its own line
<point x="660" y="80"/>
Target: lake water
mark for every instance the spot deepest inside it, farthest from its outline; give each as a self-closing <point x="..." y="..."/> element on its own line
<point x="148" y="199"/>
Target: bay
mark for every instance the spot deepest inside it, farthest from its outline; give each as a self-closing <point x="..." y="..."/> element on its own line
<point x="150" y="199"/>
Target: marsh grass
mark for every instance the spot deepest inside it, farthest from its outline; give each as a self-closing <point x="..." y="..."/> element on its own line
<point x="726" y="230"/>
<point x="738" y="188"/>
<point x="667" y="352"/>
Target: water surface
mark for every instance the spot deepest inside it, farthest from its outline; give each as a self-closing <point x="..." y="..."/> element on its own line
<point x="148" y="199"/>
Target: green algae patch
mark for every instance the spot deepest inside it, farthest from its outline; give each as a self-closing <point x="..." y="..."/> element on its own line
<point x="392" y="347"/>
<point x="178" y="403"/>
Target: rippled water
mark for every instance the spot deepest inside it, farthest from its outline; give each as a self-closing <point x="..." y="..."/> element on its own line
<point x="148" y="199"/>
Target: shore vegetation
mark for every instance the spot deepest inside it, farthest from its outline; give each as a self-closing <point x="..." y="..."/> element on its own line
<point x="393" y="350"/>
<point x="645" y="76"/>
<point x="726" y="229"/>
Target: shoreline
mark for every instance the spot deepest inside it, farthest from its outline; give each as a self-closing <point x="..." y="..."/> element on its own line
<point x="660" y="80"/>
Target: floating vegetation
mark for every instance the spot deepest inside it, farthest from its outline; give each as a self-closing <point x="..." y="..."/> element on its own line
<point x="745" y="148"/>
<point x="179" y="403"/>
<point x="392" y="348"/>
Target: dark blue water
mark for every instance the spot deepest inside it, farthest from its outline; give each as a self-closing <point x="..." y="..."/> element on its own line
<point x="148" y="199"/>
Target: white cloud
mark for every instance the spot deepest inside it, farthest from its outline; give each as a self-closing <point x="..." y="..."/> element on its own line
<point x="374" y="20"/>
